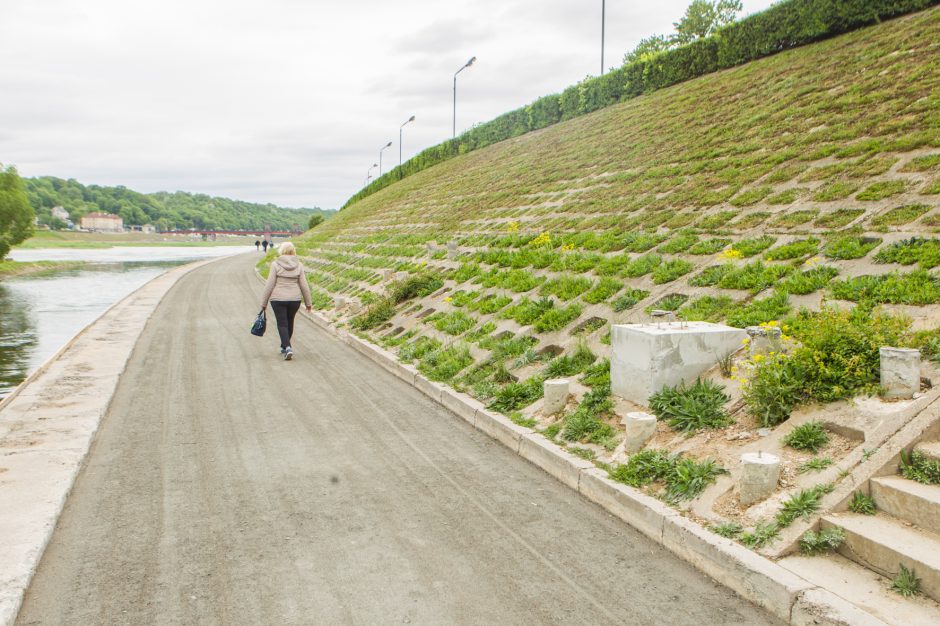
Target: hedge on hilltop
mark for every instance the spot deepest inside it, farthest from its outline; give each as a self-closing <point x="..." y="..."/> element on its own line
<point x="786" y="25"/>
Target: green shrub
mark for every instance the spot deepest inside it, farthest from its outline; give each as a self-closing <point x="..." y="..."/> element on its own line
<point x="760" y="311"/>
<point x="793" y="250"/>
<point x="824" y="541"/>
<point x="466" y="271"/>
<point x="754" y="245"/>
<point x="711" y="275"/>
<point x="800" y="283"/>
<point x="917" y="288"/>
<point x="557" y="318"/>
<point x="925" y="252"/>
<point x="508" y="347"/>
<point x="671" y="270"/>
<point x="810" y="436"/>
<point x="566" y="287"/>
<point x="612" y="265"/>
<point x="629" y="299"/>
<point x="415" y="286"/>
<point x="444" y="363"/>
<point x="584" y="424"/>
<point x="850" y="247"/>
<point x="899" y="215"/>
<point x="671" y="302"/>
<point x="754" y="276"/>
<point x="597" y="375"/>
<point x="709" y="246"/>
<point x="489" y="304"/>
<point x="692" y="408"/>
<point x="706" y="309"/>
<point x="518" y="281"/>
<point x="643" y="468"/>
<point x="773" y="390"/>
<point x="569" y="365"/>
<point x="605" y="288"/>
<point x="454" y="323"/>
<point x="683" y="478"/>
<point x="463" y="298"/>
<point x="377" y="313"/>
<point x="881" y="190"/>
<point x="838" y="218"/>
<point x="919" y="467"/>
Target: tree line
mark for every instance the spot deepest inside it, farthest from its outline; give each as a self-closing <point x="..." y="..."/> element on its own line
<point x="177" y="210"/>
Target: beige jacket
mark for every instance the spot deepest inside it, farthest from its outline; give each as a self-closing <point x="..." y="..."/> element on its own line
<point x="287" y="282"/>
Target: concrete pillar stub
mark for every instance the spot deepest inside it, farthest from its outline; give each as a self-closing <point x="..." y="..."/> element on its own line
<point x="639" y="428"/>
<point x="759" y="477"/>
<point x="647" y="357"/>
<point x="556" y="396"/>
<point x="900" y="372"/>
<point x="339" y="302"/>
<point x="387" y="274"/>
<point x="401" y="275"/>
<point x="451" y="249"/>
<point x="764" y="339"/>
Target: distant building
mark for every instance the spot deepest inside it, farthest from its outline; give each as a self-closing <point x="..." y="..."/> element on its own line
<point x="60" y="213"/>
<point x="102" y="222"/>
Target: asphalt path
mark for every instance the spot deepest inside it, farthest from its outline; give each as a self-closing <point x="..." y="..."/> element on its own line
<point x="227" y="486"/>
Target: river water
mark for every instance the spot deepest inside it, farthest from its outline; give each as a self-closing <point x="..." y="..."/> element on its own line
<point x="39" y="314"/>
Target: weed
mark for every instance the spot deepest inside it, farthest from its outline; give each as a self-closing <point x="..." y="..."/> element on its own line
<point x="671" y="302"/>
<point x="924" y="252"/>
<point x="750" y="220"/>
<point x="642" y="265"/>
<point x="692" y="408"/>
<point x="899" y="215"/>
<point x="917" y="466"/>
<point x="417" y="349"/>
<point x="378" y="312"/>
<point x="688" y="478"/>
<point x="756" y="245"/>
<point x="566" y="287"/>
<point x="489" y="304"/>
<point x="792" y="219"/>
<point x="838" y="218"/>
<point x="918" y="288"/>
<point x="444" y="363"/>
<point x="508" y="347"/>
<point x="810" y="436"/>
<point x="867" y="453"/>
<point x="597" y="375"/>
<point x="922" y="164"/>
<point x="801" y="505"/>
<point x="454" y="323"/>
<point x="754" y="276"/>
<point x="629" y="299"/>
<point x="706" y="309"/>
<point x="751" y="196"/>
<point x="729" y="530"/>
<point x="585" y="453"/>
<point x="862" y="503"/>
<point x="415" y="286"/>
<point x="793" y="250"/>
<point x="764" y="533"/>
<point x="760" y="311"/>
<point x="679" y="243"/>
<point x="800" y="283"/>
<point x="711" y="275"/>
<point x="850" y="247"/>
<point x="816" y="464"/>
<point x="906" y="582"/>
<point x="881" y="190"/>
<point x="515" y="396"/>
<point x="824" y="541"/>
<point x="557" y="318"/>
<point x="568" y="365"/>
<point x="551" y="431"/>
<point x="671" y="270"/>
<point x="643" y="468"/>
<point x="709" y="246"/>
<point x="716" y="220"/>
<point x="605" y="288"/>
<point x="788" y="196"/>
<point x="835" y="191"/>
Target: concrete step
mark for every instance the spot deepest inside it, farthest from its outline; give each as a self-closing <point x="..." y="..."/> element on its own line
<point x="930" y="448"/>
<point x="882" y="543"/>
<point x="908" y="500"/>
<point x="863" y="588"/>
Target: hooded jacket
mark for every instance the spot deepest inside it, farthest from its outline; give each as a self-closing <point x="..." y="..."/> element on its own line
<point x="287" y="282"/>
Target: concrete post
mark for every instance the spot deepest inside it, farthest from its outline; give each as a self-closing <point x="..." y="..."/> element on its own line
<point x="760" y="475"/>
<point x="401" y="275"/>
<point x="451" y="249"/>
<point x="640" y="428"/>
<point x="429" y="247"/>
<point x="556" y="396"/>
<point x="764" y="339"/>
<point x="387" y="274"/>
<point x="339" y="302"/>
<point x="900" y="372"/>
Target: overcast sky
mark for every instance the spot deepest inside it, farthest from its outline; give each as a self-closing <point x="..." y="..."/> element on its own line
<point x="284" y="101"/>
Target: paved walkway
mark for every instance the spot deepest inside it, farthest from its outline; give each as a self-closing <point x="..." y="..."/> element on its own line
<point x="227" y="486"/>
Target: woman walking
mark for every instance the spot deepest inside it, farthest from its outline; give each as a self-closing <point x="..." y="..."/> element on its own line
<point x="287" y="284"/>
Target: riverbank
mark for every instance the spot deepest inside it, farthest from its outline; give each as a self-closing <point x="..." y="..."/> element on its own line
<point x="9" y="269"/>
<point x="72" y="239"/>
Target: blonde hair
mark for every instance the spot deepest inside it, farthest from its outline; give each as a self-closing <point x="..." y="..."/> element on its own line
<point x="286" y="248"/>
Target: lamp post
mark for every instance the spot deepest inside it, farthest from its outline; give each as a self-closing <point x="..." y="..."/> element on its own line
<point x="408" y="121"/>
<point x="603" y="16"/>
<point x="369" y="173"/>
<point x="466" y="65"/>
<point x="388" y="145"/>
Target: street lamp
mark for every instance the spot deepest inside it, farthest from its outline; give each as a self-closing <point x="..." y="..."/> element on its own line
<point x="369" y="173"/>
<point x="603" y="16"/>
<point x="466" y="65"/>
<point x="408" y="121"/>
<point x="388" y="145"/>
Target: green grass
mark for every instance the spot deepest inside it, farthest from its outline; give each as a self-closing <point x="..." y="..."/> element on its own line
<point x="917" y="288"/>
<point x="691" y="408"/>
<point x="906" y="582"/>
<point x="811" y="436"/>
<point x="793" y="250"/>
<point x="764" y="534"/>
<point x="801" y="505"/>
<point x="824" y="541"/>
<point x="682" y="478"/>
<point x="602" y="290"/>
<point x="899" y="216"/>
<point x="671" y="270"/>
<point x="850" y="247"/>
<point x="755" y="245"/>
<point x="629" y="299"/>
<point x="881" y="190"/>
<point x="924" y="252"/>
<point x="838" y="190"/>
<point x="706" y="309"/>
<point x="709" y="246"/>
<point x="919" y="467"/>
<point x="863" y="504"/>
<point x="565" y="288"/>
<point x="760" y="311"/>
<point x="816" y="464"/>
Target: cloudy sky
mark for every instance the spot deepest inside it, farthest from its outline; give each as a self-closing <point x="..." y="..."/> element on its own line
<point x="284" y="101"/>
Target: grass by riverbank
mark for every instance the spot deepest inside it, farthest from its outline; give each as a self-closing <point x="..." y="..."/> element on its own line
<point x="9" y="269"/>
<point x="68" y="239"/>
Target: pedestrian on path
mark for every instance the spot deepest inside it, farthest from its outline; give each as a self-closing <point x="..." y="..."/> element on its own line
<point x="264" y="244"/>
<point x="258" y="245"/>
<point x="286" y="286"/>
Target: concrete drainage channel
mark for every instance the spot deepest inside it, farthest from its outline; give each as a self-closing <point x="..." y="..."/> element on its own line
<point x="48" y="425"/>
<point x="761" y="581"/>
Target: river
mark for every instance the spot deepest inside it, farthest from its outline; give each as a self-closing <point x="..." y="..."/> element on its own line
<point x="39" y="314"/>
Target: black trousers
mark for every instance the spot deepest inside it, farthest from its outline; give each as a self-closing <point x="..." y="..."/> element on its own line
<point x="284" y="312"/>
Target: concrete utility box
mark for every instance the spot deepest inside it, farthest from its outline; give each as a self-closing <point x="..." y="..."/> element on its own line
<point x="900" y="372"/>
<point x="647" y="357"/>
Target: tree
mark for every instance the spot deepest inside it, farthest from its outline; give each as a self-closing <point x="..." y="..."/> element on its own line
<point x="647" y="48"/>
<point x="315" y="220"/>
<point x="703" y="18"/>
<point x="16" y="214"/>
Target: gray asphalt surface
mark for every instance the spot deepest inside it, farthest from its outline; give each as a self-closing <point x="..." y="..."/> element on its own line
<point x="227" y="486"/>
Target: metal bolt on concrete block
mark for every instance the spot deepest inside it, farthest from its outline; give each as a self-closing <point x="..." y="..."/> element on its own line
<point x="760" y="475"/>
<point x="556" y="396"/>
<point x="900" y="372"/>
<point x="639" y="429"/>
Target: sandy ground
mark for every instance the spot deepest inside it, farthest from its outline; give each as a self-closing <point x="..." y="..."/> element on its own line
<point x="227" y="486"/>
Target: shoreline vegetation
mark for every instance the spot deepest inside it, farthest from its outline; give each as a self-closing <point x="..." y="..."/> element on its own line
<point x="69" y="239"/>
<point x="13" y="269"/>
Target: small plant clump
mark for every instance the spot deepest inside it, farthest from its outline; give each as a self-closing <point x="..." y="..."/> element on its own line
<point x="693" y="408"/>
<point x="729" y="530"/>
<point x="906" y="582"/>
<point x="824" y="541"/>
<point x="899" y="216"/>
<point x="881" y="190"/>
<point x="671" y="270"/>
<point x="810" y="436"/>
<point x="863" y="504"/>
<point x="629" y="299"/>
<point x="793" y="250"/>
<point x="764" y="533"/>
<point x="917" y="466"/>
<point x="445" y="363"/>
<point x="924" y="252"/>
<point x="683" y="478"/>
<point x="802" y="504"/>
<point x="814" y="465"/>
<point x="756" y="245"/>
<point x="850" y="247"/>
<point x="557" y="318"/>
<point x="709" y="246"/>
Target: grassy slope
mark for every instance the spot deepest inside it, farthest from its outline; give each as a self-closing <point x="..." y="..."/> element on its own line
<point x="816" y="143"/>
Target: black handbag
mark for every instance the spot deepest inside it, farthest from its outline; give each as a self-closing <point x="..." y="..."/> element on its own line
<point x="261" y="323"/>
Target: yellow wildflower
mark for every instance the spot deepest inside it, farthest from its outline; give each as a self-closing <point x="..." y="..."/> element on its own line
<point x="730" y="254"/>
<point x="513" y="227"/>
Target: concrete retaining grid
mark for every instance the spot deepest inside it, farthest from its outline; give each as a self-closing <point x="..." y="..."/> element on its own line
<point x="48" y="424"/>
<point x="754" y="577"/>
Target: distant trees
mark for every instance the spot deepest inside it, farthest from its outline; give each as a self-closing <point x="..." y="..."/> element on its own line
<point x="315" y="220"/>
<point x="16" y="215"/>
<point x="702" y="18"/>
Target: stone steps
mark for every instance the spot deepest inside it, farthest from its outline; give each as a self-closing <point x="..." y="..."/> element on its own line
<point x="908" y="500"/>
<point x="930" y="449"/>
<point x="882" y="543"/>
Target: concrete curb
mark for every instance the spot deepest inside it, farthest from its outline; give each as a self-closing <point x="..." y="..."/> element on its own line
<point x="48" y="424"/>
<point x="752" y="576"/>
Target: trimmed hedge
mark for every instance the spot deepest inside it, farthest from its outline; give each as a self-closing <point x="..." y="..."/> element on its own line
<point x="786" y="25"/>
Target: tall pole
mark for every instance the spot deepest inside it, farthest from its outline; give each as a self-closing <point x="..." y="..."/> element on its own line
<point x="465" y="66"/>
<point x="603" y="19"/>
<point x="388" y="145"/>
<point x="400" y="128"/>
